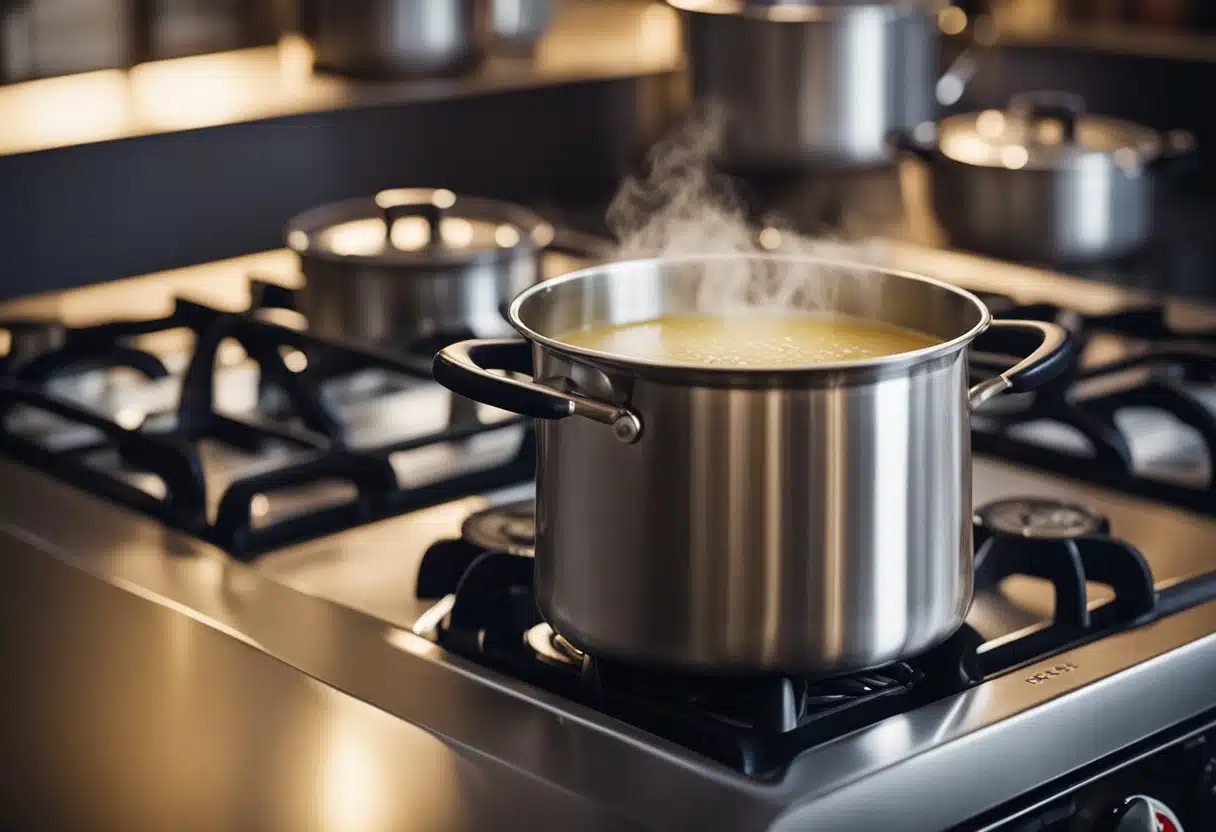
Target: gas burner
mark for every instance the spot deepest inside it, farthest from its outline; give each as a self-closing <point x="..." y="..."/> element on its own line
<point x="303" y="382"/>
<point x="510" y="528"/>
<point x="1036" y="518"/>
<point x="1161" y="373"/>
<point x="553" y="648"/>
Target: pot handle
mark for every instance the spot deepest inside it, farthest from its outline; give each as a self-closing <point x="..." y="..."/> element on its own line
<point x="1054" y="355"/>
<point x="465" y="368"/>
<point x="432" y="214"/>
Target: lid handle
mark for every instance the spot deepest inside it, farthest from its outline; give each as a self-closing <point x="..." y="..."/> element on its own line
<point x="1066" y="108"/>
<point x="429" y="211"/>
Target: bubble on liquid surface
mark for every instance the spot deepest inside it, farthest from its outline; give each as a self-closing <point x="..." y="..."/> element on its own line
<point x="745" y="341"/>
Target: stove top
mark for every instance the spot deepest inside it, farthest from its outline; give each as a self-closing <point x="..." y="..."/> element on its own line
<point x="485" y="611"/>
<point x="377" y="535"/>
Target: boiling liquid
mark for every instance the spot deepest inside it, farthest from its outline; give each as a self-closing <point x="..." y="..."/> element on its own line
<point x="751" y="340"/>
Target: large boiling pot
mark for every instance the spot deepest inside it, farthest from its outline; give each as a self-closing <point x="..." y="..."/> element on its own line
<point x="817" y="84"/>
<point x="813" y="519"/>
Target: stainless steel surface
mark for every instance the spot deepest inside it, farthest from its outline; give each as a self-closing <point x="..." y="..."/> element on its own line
<point x="411" y="262"/>
<point x="810" y="84"/>
<point x="1043" y="181"/>
<point x="519" y="24"/>
<point x="410" y="37"/>
<point x="812" y="519"/>
<point x="1112" y="698"/>
<point x="151" y="719"/>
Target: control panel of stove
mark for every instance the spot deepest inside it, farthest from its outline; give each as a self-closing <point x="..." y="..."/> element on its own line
<point x="1170" y="789"/>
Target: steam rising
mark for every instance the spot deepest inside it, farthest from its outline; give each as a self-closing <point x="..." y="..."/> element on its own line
<point x="681" y="206"/>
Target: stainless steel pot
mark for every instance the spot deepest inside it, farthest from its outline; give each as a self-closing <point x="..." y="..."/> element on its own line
<point x="812" y="84"/>
<point x="1042" y="181"/>
<point x="414" y="262"/>
<point x="813" y="519"/>
<point x="397" y="37"/>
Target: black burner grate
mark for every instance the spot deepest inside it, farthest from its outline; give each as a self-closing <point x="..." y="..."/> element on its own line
<point x="1153" y="375"/>
<point x="302" y="424"/>
<point x="757" y="725"/>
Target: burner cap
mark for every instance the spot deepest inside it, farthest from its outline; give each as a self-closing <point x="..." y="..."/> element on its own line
<point x="510" y="528"/>
<point x="1039" y="518"/>
<point x="552" y="648"/>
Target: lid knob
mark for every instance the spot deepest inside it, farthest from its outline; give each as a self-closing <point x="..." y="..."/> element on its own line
<point x="1064" y="108"/>
<point x="429" y="211"/>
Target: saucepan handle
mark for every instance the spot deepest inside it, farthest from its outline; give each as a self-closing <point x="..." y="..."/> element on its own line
<point x="465" y="368"/>
<point x="1055" y="353"/>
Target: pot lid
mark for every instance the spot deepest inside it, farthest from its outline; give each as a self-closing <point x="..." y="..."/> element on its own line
<point x="417" y="226"/>
<point x="1045" y="130"/>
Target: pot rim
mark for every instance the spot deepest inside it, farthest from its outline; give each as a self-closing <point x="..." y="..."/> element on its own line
<point x="884" y="362"/>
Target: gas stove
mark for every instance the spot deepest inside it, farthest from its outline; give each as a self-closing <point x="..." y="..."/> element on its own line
<point x="485" y="611"/>
<point x="328" y="504"/>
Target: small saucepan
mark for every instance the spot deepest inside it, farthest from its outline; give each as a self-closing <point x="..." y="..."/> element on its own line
<point x="415" y="263"/>
<point x="813" y="519"/>
<point x="1043" y="181"/>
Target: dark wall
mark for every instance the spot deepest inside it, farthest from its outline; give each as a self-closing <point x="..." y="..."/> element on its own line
<point x="99" y="212"/>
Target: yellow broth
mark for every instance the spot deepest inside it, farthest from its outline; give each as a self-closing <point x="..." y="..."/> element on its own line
<point x="749" y="340"/>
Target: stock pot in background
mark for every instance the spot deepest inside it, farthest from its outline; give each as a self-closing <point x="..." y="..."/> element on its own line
<point x="812" y="84"/>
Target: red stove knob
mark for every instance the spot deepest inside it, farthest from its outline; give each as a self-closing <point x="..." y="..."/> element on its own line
<point x="1140" y="813"/>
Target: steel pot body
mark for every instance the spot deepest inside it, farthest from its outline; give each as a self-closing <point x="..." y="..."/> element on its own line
<point x="1043" y="182"/>
<point x="1070" y="215"/>
<point x="397" y="37"/>
<point x="411" y="263"/>
<point x="811" y="85"/>
<point x="814" y="520"/>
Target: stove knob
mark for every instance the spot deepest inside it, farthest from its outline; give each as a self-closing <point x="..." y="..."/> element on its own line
<point x="1136" y="815"/>
<point x="1140" y="813"/>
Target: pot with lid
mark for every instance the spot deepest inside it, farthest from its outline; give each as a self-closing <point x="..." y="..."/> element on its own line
<point x="1043" y="180"/>
<point x="726" y="517"/>
<point x="415" y="262"/>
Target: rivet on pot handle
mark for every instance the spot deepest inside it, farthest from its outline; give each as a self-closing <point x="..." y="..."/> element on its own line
<point x="1048" y="361"/>
<point x="464" y="368"/>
